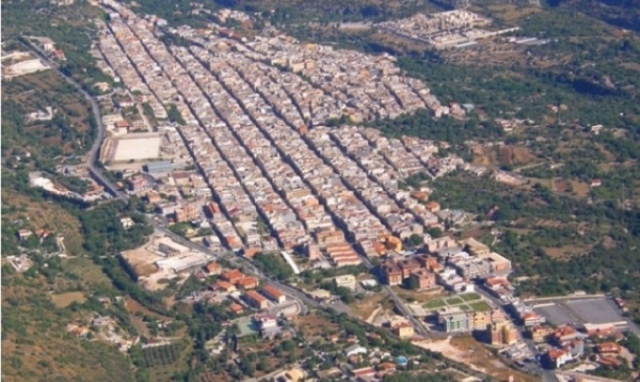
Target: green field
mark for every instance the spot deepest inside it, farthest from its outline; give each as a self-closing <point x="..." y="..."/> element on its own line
<point x="480" y="306"/>
<point x="87" y="271"/>
<point x="454" y="300"/>
<point x="434" y="304"/>
<point x="470" y="297"/>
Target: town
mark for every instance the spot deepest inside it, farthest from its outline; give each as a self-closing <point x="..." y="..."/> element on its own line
<point x="258" y="156"/>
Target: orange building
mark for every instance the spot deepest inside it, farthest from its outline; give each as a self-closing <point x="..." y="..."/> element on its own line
<point x="247" y="283"/>
<point x="274" y="294"/>
<point x="232" y="276"/>
<point x="256" y="300"/>
<point x="213" y="268"/>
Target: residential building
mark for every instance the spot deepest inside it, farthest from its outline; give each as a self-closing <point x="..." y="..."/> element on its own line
<point x="232" y="276"/>
<point x="213" y="268"/>
<point x="407" y="266"/>
<point x="472" y="268"/>
<point x="256" y="300"/>
<point x="564" y="334"/>
<point x="24" y="234"/>
<point x="274" y="294"/>
<point x="247" y="283"/>
<point x="345" y="281"/>
<point x="223" y="286"/>
<point x="608" y="348"/>
<point x="539" y="333"/>
<point x="480" y="321"/>
<point x="236" y="308"/>
<point x="503" y="333"/>
<point x="391" y="273"/>
<point x="403" y="330"/>
<point x="422" y="279"/>
<point x="555" y="358"/>
<point x="313" y="251"/>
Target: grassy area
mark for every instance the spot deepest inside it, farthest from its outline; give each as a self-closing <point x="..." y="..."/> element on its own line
<point x="480" y="306"/>
<point x="87" y="270"/>
<point x="434" y="304"/>
<point x="470" y="297"/>
<point x="454" y="300"/>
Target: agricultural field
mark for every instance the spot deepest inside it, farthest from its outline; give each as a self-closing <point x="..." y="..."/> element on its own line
<point x="88" y="271"/>
<point x="162" y="355"/>
<point x="35" y="346"/>
<point x="63" y="300"/>
<point x="37" y="214"/>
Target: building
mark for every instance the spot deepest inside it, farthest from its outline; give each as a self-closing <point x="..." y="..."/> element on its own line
<point x="429" y="262"/>
<point x="564" y="334"/>
<point x="608" y="348"/>
<point x="213" y="268"/>
<point x="256" y="300"/>
<point x="274" y="294"/>
<point x="408" y="266"/>
<point x="127" y="222"/>
<point x="555" y="358"/>
<point x="499" y="264"/>
<point x="232" y="276"/>
<point x="188" y="212"/>
<point x="170" y="248"/>
<point x="355" y="350"/>
<point x="268" y="325"/>
<point x="539" y="333"/>
<point x="345" y="281"/>
<point x="24" y="234"/>
<point x="599" y="330"/>
<point x="313" y="251"/>
<point x="294" y="375"/>
<point x="223" y="286"/>
<point x="159" y="167"/>
<point x="422" y="279"/>
<point x="247" y="283"/>
<point x="391" y="273"/>
<point x="480" y="321"/>
<point x="503" y="333"/>
<point x="236" y="308"/>
<point x="472" y="268"/>
<point x="454" y="320"/>
<point x="403" y="330"/>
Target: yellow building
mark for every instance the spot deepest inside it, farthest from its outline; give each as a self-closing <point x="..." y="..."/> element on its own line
<point x="404" y="330"/>
<point x="480" y="320"/>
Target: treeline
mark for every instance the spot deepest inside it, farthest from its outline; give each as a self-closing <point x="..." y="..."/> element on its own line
<point x="273" y="265"/>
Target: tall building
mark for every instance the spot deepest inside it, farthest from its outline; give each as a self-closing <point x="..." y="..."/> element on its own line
<point x="503" y="333"/>
<point x="454" y="320"/>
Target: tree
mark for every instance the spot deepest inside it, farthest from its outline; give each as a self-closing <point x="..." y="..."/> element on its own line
<point x="435" y="232"/>
<point x="416" y="240"/>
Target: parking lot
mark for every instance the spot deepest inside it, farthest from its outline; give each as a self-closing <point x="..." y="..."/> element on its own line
<point x="580" y="311"/>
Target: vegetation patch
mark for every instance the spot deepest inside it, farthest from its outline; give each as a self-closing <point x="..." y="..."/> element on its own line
<point x="63" y="300"/>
